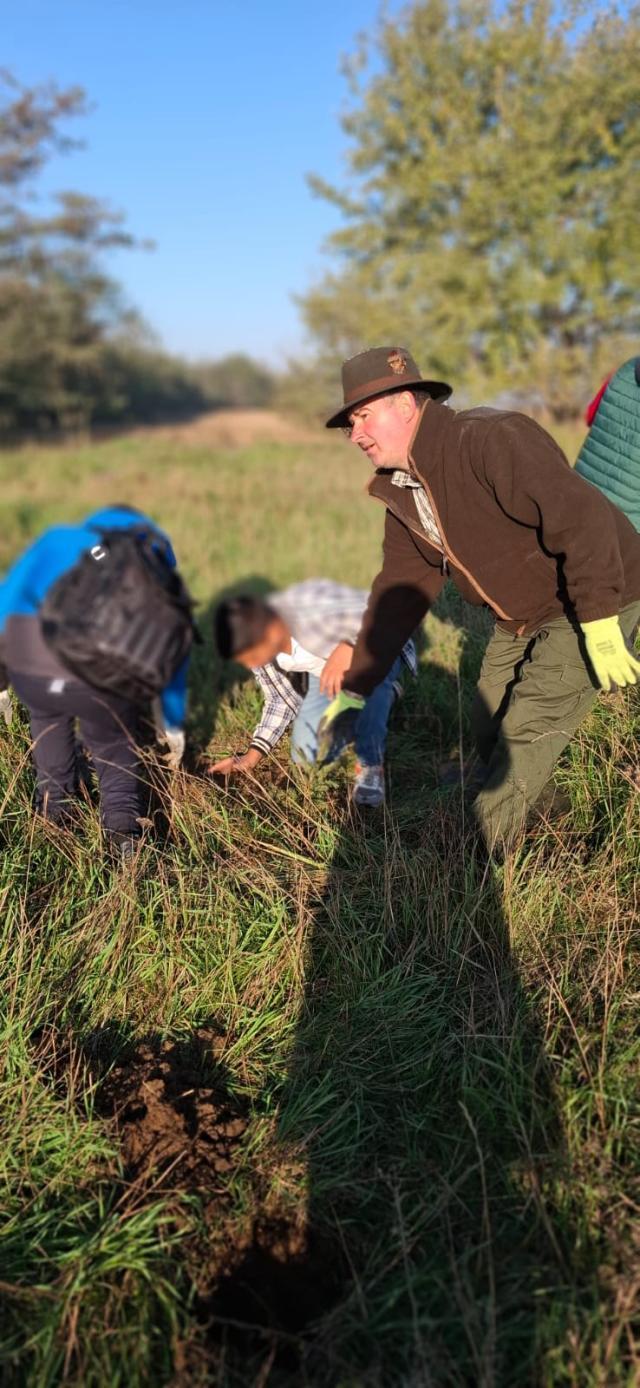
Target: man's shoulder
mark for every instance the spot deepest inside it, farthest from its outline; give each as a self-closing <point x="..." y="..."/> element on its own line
<point x="475" y="422"/>
<point x="487" y="417"/>
<point x="482" y="438"/>
<point x="499" y="428"/>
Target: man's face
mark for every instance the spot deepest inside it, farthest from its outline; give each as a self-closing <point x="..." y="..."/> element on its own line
<point x="383" y="428"/>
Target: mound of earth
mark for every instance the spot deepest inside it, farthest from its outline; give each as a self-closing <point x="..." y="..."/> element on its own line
<point x="229" y="428"/>
<point x="172" y="1109"/>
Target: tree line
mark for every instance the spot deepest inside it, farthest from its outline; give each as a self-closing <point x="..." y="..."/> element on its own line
<point x="488" y="221"/>
<point x="72" y="352"/>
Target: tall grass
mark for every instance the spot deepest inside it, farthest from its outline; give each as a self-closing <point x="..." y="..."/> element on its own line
<point x="306" y="1098"/>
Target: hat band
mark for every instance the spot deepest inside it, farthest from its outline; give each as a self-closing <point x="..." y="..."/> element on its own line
<point x="375" y="387"/>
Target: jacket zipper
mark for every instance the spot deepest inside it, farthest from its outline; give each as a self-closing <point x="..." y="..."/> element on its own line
<point x="448" y="557"/>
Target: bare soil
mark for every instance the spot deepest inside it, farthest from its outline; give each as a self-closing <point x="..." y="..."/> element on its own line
<point x="262" y="1279"/>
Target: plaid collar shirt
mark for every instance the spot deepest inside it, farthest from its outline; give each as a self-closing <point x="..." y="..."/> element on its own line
<point x="400" y="478"/>
<point x="319" y="614"/>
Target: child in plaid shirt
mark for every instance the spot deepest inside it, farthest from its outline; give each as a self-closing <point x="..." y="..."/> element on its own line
<point x="299" y="643"/>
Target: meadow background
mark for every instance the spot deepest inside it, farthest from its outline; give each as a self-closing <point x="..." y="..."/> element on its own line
<point x="308" y="1099"/>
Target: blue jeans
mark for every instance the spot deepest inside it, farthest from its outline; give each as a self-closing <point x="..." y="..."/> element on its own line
<point x="371" y="728"/>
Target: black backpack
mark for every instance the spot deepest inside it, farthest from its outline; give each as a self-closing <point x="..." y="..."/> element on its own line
<point x="121" y="618"/>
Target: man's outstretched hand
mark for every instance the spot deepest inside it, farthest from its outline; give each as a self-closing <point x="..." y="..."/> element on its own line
<point x="613" y="664"/>
<point x="337" y="727"/>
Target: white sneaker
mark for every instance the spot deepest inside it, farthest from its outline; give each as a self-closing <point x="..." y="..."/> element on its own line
<point x="368" y="786"/>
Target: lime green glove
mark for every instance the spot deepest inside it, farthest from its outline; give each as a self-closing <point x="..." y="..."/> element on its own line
<point x="338" y="725"/>
<point x="612" y="662"/>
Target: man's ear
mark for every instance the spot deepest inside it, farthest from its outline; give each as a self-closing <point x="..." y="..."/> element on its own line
<point x="407" y="404"/>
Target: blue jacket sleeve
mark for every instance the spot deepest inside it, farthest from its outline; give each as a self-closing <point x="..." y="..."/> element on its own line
<point x="174" y="698"/>
<point x="16" y="589"/>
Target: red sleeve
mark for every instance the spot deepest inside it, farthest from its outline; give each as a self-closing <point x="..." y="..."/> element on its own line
<point x="592" y="408"/>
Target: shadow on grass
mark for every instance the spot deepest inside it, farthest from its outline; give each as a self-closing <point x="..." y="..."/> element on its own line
<point x="419" y="1096"/>
<point x="420" y="1100"/>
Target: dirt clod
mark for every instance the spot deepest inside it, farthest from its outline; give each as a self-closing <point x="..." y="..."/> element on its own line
<point x="172" y="1107"/>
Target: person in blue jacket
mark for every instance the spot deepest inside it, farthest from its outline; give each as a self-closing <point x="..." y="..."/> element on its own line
<point x="55" y="697"/>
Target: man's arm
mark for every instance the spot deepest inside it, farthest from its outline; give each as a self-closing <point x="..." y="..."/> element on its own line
<point x="533" y="482"/>
<point x="400" y="597"/>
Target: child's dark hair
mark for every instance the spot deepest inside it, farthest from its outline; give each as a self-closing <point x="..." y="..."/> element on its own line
<point x="240" y="623"/>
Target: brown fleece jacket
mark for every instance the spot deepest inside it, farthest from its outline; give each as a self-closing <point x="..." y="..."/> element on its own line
<point x="522" y="533"/>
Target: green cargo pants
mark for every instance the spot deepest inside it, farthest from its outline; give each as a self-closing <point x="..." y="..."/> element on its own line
<point x="532" y="695"/>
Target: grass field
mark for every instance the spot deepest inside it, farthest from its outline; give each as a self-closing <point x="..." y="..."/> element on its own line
<point x="308" y="1101"/>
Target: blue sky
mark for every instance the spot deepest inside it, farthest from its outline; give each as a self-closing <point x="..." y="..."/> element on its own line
<point x="207" y="115"/>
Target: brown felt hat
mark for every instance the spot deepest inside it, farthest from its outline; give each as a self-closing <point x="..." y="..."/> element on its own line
<point x="380" y="371"/>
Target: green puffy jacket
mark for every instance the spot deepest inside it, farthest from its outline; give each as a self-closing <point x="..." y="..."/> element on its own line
<point x="610" y="454"/>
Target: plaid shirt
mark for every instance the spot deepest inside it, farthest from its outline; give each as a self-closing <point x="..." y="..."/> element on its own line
<point x="319" y="614"/>
<point x="426" y="517"/>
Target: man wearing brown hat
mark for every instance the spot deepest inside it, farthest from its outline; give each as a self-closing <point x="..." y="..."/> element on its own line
<point x="487" y="498"/>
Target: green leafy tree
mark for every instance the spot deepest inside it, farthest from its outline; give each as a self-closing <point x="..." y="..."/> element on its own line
<point x="490" y="218"/>
<point x="57" y="307"/>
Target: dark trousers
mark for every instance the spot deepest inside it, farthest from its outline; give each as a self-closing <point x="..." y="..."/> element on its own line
<point x="108" y="728"/>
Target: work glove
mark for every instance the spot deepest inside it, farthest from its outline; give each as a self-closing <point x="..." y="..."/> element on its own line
<point x="338" y="725"/>
<point x="612" y="662"/>
<point x="6" y="707"/>
<point x="175" y="741"/>
<point x="173" y="738"/>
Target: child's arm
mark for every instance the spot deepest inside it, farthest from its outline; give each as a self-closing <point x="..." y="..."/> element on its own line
<point x="281" y="704"/>
<point x="239" y="762"/>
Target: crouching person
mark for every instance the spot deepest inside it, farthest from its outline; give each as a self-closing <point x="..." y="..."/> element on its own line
<point x="299" y="644"/>
<point x="95" y="624"/>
